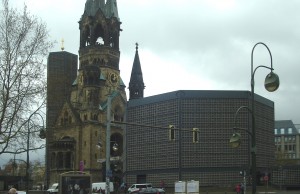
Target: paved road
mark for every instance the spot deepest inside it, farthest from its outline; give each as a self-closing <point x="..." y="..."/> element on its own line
<point x="201" y="192"/>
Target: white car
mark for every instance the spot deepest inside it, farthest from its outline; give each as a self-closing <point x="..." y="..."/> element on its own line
<point x="137" y="187"/>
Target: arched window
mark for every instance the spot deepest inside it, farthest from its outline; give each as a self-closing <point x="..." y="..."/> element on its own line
<point x="53" y="159"/>
<point x="68" y="160"/>
<point x="60" y="160"/>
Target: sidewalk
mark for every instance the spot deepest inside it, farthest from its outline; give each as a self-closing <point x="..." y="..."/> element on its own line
<point x="260" y="190"/>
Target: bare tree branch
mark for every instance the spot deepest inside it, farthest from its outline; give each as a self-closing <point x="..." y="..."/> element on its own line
<point x="24" y="45"/>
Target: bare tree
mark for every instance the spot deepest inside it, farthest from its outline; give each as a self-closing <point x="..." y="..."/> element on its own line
<point x="24" y="44"/>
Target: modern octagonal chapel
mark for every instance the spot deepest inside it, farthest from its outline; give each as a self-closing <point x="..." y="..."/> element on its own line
<point x="176" y="136"/>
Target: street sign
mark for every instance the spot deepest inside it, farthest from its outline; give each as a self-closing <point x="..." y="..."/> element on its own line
<point x="266" y="178"/>
<point x="116" y="158"/>
<point x="109" y="173"/>
<point x="81" y="166"/>
<point x="101" y="160"/>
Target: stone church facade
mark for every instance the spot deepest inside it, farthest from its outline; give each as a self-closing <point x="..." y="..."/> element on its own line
<point x="81" y="120"/>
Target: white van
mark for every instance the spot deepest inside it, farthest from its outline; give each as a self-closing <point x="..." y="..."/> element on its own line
<point x="53" y="188"/>
<point x="96" y="187"/>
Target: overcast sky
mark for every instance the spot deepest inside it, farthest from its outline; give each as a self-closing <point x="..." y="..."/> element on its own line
<point x="197" y="44"/>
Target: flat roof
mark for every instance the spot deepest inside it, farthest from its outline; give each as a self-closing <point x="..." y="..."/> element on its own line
<point x="185" y="94"/>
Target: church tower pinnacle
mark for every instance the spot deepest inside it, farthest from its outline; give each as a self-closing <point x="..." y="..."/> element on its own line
<point x="136" y="84"/>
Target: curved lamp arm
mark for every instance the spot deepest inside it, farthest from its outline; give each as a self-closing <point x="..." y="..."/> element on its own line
<point x="235" y="140"/>
<point x="272" y="79"/>
<point x="253" y="119"/>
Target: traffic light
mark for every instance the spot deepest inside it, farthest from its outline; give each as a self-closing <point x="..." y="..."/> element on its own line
<point x="171" y="132"/>
<point x="195" y="135"/>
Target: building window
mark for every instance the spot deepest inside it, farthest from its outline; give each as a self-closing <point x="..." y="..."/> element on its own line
<point x="275" y="131"/>
<point x="290" y="130"/>
<point x="282" y="131"/>
<point x="278" y="148"/>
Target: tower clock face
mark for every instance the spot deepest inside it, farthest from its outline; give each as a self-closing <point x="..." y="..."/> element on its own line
<point x="114" y="78"/>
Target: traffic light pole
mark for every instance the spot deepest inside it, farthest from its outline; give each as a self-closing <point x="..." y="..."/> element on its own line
<point x="245" y="182"/>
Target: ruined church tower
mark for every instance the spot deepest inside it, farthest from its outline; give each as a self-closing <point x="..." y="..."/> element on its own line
<point x="82" y="121"/>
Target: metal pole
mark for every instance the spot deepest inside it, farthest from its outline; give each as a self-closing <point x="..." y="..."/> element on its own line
<point x="274" y="87"/>
<point x="14" y="164"/>
<point x="108" y="173"/>
<point x="245" y="182"/>
<point x="27" y="158"/>
<point x="253" y="142"/>
<point x="27" y="151"/>
<point x="180" y="142"/>
<point x="15" y="159"/>
<point x="253" y="145"/>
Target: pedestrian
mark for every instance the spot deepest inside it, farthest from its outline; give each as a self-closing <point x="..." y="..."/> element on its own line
<point x="238" y="189"/>
<point x="12" y="191"/>
<point x="162" y="184"/>
<point x="242" y="188"/>
<point x="125" y="188"/>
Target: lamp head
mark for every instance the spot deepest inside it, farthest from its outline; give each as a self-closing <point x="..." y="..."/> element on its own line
<point x="42" y="134"/>
<point x="272" y="82"/>
<point x="99" y="145"/>
<point x="115" y="147"/>
<point x="235" y="140"/>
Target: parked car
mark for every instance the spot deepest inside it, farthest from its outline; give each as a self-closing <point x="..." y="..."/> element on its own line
<point x="137" y="187"/>
<point x="151" y="191"/>
<point x="53" y="189"/>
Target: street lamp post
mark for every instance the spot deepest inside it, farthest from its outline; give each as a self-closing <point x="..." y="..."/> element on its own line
<point x="271" y="85"/>
<point x="235" y="142"/>
<point x="27" y="151"/>
<point x="16" y="159"/>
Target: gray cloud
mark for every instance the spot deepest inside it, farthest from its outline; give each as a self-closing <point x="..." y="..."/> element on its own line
<point x="207" y="40"/>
